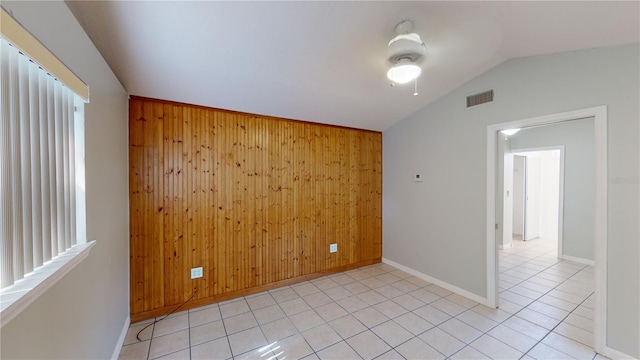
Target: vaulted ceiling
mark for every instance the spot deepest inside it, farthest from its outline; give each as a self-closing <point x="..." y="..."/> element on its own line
<point x="325" y="61"/>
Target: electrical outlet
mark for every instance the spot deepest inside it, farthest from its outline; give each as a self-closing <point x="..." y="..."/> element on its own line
<point x="196" y="272"/>
<point x="333" y="248"/>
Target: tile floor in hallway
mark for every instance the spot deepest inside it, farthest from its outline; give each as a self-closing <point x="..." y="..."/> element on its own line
<point x="380" y="312"/>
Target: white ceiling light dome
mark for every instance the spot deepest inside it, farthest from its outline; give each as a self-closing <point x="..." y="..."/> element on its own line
<point x="405" y="53"/>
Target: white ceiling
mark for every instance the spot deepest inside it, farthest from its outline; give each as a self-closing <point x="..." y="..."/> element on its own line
<point x="325" y="61"/>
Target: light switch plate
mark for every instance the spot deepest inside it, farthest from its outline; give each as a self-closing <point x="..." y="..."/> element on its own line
<point x="333" y="248"/>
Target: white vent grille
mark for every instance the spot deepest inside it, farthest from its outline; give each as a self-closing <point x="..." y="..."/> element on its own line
<point x="479" y="98"/>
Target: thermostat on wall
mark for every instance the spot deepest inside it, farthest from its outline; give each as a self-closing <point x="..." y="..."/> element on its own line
<point x="418" y="178"/>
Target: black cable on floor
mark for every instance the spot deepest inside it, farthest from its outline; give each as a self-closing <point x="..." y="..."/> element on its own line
<point x="164" y="317"/>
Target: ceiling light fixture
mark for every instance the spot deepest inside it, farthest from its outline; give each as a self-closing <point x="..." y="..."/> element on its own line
<point x="510" y="131"/>
<point x="405" y="52"/>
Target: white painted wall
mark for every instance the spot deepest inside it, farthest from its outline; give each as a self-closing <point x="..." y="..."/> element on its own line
<point x="507" y="192"/>
<point x="549" y="191"/>
<point x="579" y="178"/>
<point x="421" y="221"/>
<point x="82" y="315"/>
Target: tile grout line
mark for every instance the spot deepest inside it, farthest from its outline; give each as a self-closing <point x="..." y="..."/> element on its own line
<point x="558" y="324"/>
<point x="525" y="307"/>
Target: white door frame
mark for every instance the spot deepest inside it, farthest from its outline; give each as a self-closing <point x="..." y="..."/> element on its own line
<point x="599" y="113"/>
<point x="560" y="192"/>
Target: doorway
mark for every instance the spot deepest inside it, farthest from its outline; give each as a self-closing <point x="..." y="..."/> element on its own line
<point x="600" y="200"/>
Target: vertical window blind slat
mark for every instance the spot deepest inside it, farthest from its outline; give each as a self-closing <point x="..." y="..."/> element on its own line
<point x="47" y="240"/>
<point x="59" y="137"/>
<point x="16" y="161"/>
<point x="36" y="163"/>
<point x="26" y="158"/>
<point x="53" y="189"/>
<point x="6" y="231"/>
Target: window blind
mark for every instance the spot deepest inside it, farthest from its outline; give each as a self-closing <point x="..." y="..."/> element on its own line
<point x="38" y="136"/>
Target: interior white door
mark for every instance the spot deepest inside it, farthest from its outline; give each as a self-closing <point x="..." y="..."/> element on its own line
<point x="532" y="198"/>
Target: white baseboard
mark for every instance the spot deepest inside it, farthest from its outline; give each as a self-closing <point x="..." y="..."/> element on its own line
<point x="577" y="260"/>
<point x="438" y="282"/>
<point x="505" y="246"/>
<point x="123" y="335"/>
<point x="615" y="354"/>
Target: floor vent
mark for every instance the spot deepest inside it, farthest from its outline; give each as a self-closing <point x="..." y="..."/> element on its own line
<point x="479" y="98"/>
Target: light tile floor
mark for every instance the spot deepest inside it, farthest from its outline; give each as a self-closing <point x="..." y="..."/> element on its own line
<point x="380" y="312"/>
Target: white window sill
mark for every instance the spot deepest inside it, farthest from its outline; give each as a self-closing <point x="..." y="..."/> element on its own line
<point x="17" y="297"/>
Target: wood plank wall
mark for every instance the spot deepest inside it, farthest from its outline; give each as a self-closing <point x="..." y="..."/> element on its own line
<point x="254" y="200"/>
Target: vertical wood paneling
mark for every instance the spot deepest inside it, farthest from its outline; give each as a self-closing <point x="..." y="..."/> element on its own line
<point x="254" y="200"/>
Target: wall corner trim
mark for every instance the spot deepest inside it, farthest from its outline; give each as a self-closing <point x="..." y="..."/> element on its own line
<point x="442" y="284"/>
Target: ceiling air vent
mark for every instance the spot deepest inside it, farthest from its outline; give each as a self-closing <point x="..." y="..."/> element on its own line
<point x="479" y="98"/>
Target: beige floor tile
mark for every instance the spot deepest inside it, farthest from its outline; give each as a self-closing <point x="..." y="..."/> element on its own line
<point x="515" y="339"/>
<point x="167" y="344"/>
<point x="234" y="308"/>
<point x="339" y="351"/>
<point x="261" y="301"/>
<point x="408" y="302"/>
<point x="317" y="299"/>
<point x="425" y="295"/>
<point x="337" y="293"/>
<point x="293" y="347"/>
<point x="525" y="327"/>
<point x="278" y="329"/>
<point x="342" y="279"/>
<point x="357" y="287"/>
<point x="388" y="278"/>
<point x="390" y="355"/>
<point x="568" y="346"/>
<point x="371" y="297"/>
<point x="389" y="291"/>
<point x="294" y="306"/>
<point x="476" y="320"/>
<point x="544" y="352"/>
<point x="432" y="314"/>
<point x="575" y="333"/>
<point x="269" y="314"/>
<point x="442" y="341"/>
<point x="368" y="345"/>
<point x="392" y="333"/>
<point x="216" y="349"/>
<point x="537" y="318"/>
<point x="135" y="351"/>
<point x="330" y="311"/>
<point x="352" y="304"/>
<point x="580" y="321"/>
<point x="170" y="325"/>
<point x="204" y="316"/>
<point x="460" y="330"/>
<point x="324" y="283"/>
<point x="468" y="353"/>
<point x="370" y="317"/>
<point x="283" y="294"/>
<point x="133" y="332"/>
<point x="207" y="332"/>
<point x="405" y="285"/>
<point x="438" y="290"/>
<point x="418" y="349"/>
<point x="390" y="309"/>
<point x="306" y="288"/>
<point x="247" y="340"/>
<point x="347" y="326"/>
<point x="515" y="298"/>
<point x="495" y="349"/>
<point x="239" y="323"/>
<point x="306" y="320"/>
<point x="413" y="323"/>
<point x="321" y="336"/>
<point x="178" y="355"/>
<point x="497" y="315"/>
<point x="548" y="310"/>
<point x="373" y="283"/>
